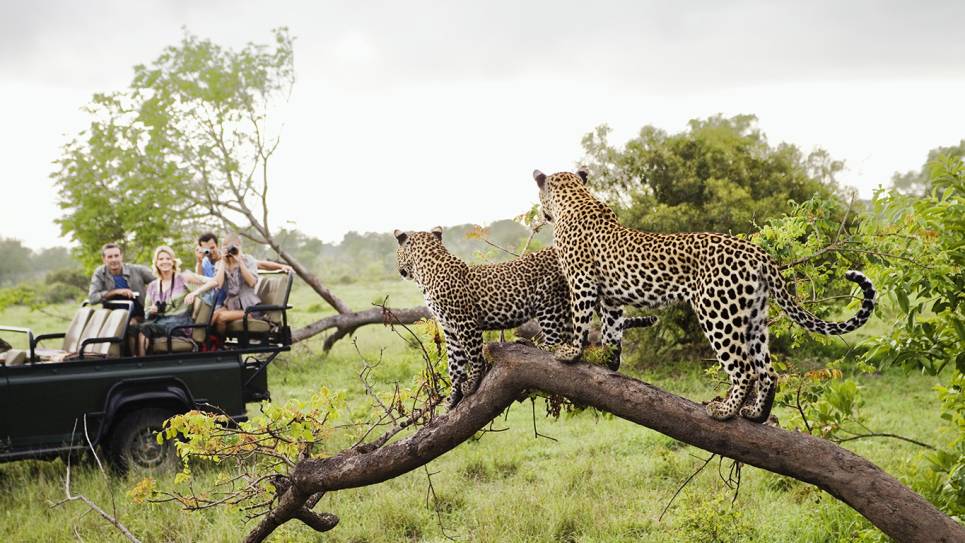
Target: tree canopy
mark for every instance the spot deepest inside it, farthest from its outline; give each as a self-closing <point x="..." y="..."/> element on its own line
<point x="720" y="174"/>
<point x="188" y="137"/>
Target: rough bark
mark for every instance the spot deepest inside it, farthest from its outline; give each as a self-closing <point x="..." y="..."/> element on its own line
<point x="893" y="508"/>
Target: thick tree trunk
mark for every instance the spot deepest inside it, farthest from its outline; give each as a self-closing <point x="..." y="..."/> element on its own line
<point x="884" y="501"/>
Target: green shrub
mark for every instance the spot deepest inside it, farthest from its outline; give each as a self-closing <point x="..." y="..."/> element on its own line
<point x="58" y="293"/>
<point x="74" y="277"/>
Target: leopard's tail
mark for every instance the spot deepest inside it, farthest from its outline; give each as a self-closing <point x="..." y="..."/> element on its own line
<point x="639" y="322"/>
<point x="806" y="319"/>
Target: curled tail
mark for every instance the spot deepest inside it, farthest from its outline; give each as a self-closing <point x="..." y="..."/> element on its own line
<point x="810" y="322"/>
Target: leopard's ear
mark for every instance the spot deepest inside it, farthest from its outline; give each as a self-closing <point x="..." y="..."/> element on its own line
<point x="540" y="178"/>
<point x="400" y="235"/>
<point x="583" y="172"/>
<point x="437" y="232"/>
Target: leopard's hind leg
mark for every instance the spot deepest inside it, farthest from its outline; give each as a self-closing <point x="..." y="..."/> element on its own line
<point x="724" y="321"/>
<point x="457" y="363"/>
<point x="759" y="409"/>
<point x="611" y="334"/>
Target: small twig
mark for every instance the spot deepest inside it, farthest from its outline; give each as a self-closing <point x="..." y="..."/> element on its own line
<point x="800" y="408"/>
<point x="882" y="434"/>
<point x="90" y="503"/>
<point x="500" y="247"/>
<point x="681" y="487"/>
<point x="533" y="231"/>
<point x="536" y="433"/>
<point x="431" y="492"/>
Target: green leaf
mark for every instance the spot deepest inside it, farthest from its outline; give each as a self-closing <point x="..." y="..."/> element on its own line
<point x="902" y="300"/>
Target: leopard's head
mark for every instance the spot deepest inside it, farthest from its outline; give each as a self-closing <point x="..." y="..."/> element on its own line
<point x="553" y="188"/>
<point x="413" y="247"/>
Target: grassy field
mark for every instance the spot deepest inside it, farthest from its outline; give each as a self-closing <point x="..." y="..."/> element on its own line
<point x="601" y="480"/>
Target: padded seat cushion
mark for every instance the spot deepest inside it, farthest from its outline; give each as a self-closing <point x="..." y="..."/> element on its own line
<point x="14" y="357"/>
<point x="178" y="345"/>
<point x="254" y="325"/>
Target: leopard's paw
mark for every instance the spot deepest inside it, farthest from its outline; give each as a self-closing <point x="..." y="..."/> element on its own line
<point x="718" y="410"/>
<point x="567" y="353"/>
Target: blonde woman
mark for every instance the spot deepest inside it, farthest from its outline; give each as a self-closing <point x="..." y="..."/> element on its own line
<point x="164" y="304"/>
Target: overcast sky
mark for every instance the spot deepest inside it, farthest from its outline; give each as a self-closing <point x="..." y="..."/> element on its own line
<point x="415" y="114"/>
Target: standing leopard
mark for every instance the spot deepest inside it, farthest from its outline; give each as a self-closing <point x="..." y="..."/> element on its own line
<point x="466" y="300"/>
<point x="725" y="279"/>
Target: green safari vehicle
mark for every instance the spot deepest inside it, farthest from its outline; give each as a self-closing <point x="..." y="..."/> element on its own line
<point x="53" y="400"/>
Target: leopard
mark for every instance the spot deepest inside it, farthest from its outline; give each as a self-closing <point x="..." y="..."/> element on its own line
<point x="469" y="299"/>
<point x="725" y="279"/>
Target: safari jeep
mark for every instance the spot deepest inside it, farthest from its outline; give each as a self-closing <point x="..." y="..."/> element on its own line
<point x="83" y="383"/>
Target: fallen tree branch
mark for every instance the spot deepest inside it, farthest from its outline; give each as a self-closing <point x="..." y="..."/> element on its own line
<point x="347" y="323"/>
<point x="879" y="497"/>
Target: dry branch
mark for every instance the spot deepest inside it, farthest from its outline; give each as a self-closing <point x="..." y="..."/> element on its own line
<point x="893" y="508"/>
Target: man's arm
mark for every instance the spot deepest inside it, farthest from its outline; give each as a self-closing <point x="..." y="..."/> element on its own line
<point x="96" y="292"/>
<point x="271" y="266"/>
<point x="147" y="274"/>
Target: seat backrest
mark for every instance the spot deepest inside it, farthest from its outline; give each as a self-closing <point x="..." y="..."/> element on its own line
<point x="115" y="325"/>
<point x="93" y="327"/>
<point x="274" y="289"/>
<point x="76" y="328"/>
<point x="200" y="314"/>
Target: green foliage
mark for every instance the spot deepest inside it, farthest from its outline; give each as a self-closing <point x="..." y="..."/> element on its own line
<point x="942" y="479"/>
<point x="714" y="518"/>
<point x="919" y="183"/>
<point x="15" y="263"/>
<point x="74" y="277"/>
<point x="157" y="156"/>
<point x="719" y="175"/>
<point x="19" y="263"/>
<point x="929" y="287"/>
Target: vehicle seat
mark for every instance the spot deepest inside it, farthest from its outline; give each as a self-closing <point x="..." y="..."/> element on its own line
<point x="115" y="326"/>
<point x="273" y="288"/>
<point x="14" y="357"/>
<point x="201" y="315"/>
<point x="71" y="337"/>
<point x="90" y="329"/>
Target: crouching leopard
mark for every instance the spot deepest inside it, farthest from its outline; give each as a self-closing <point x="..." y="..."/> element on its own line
<point x="726" y="280"/>
<point x="466" y="300"/>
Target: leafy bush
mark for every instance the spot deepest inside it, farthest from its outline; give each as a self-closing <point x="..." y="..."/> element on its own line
<point x="75" y="277"/>
<point x="58" y="293"/>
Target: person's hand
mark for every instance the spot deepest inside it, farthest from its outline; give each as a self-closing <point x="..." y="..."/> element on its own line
<point x="126" y="293"/>
<point x="199" y="252"/>
<point x="189" y="299"/>
<point x="287" y="269"/>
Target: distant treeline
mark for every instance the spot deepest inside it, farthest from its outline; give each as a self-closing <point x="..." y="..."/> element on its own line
<point x="358" y="257"/>
<point x="371" y="255"/>
<point x="19" y="263"/>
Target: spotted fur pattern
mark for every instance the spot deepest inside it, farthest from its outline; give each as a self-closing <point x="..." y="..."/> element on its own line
<point x="466" y="300"/>
<point x="726" y="280"/>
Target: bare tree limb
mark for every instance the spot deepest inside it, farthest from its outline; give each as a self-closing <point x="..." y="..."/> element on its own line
<point x="879" y="497"/>
<point x="347" y="323"/>
<point x="91" y="504"/>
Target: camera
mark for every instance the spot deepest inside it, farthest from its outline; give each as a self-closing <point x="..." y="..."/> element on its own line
<point x="206" y="251"/>
<point x="161" y="306"/>
<point x="232" y="250"/>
